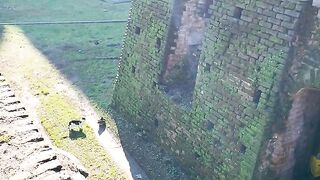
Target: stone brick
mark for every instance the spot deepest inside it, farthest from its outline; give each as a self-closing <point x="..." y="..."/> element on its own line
<point x="283" y="17"/>
<point x="292" y="13"/>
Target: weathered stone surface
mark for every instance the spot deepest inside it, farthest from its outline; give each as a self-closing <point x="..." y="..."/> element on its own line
<point x="24" y="152"/>
<point x="316" y="3"/>
<point x="245" y="52"/>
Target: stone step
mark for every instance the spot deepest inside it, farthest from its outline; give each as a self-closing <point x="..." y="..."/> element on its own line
<point x="36" y="159"/>
<point x="45" y="175"/>
<point x="4" y="85"/>
<point x="13" y="122"/>
<point x="32" y="137"/>
<point x="14" y="107"/>
<point x="10" y="101"/>
<point x="51" y="175"/>
<point x="18" y="114"/>
<point x="4" y="89"/>
<point x="6" y="95"/>
<point x="54" y="165"/>
<point x="27" y="127"/>
<point x="20" y="130"/>
<point x="21" y="175"/>
<point x="30" y="148"/>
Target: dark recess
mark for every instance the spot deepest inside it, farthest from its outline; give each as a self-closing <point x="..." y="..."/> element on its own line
<point x="133" y="69"/>
<point x="257" y="96"/>
<point x="237" y="13"/>
<point x="137" y="30"/>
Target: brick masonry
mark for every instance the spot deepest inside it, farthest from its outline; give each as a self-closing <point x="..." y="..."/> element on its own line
<point x="245" y="52"/>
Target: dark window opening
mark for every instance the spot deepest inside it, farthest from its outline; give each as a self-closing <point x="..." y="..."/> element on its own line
<point x="237" y="13"/>
<point x="182" y="52"/>
<point x="156" y="123"/>
<point x="133" y="69"/>
<point x="137" y="30"/>
<point x="210" y="126"/>
<point x="257" y="96"/>
<point x="207" y="68"/>
<point x="158" y="44"/>
<point x="243" y="149"/>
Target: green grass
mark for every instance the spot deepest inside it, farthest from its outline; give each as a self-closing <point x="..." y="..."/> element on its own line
<point x="33" y="74"/>
<point x="73" y="49"/>
<point x="48" y="10"/>
<point x="55" y="115"/>
<point x="74" y="52"/>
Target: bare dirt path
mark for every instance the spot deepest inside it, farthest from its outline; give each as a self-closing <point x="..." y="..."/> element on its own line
<point x="29" y="71"/>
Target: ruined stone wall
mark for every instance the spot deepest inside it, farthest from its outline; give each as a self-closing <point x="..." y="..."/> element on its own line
<point x="288" y="152"/>
<point x="244" y="54"/>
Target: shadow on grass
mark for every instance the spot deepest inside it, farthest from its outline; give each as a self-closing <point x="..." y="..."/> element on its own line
<point x="74" y="135"/>
<point x="85" y="64"/>
<point x="85" y="55"/>
<point x="75" y="59"/>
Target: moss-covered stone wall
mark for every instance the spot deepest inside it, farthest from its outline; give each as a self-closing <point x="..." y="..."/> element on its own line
<point x="244" y="54"/>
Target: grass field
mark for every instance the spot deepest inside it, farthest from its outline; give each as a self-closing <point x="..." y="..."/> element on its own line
<point x="81" y="52"/>
<point x="29" y="72"/>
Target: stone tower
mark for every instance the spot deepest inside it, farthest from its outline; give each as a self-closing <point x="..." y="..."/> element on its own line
<point x="212" y="81"/>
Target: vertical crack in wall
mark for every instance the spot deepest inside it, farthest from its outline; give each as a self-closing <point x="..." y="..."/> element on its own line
<point x="289" y="151"/>
<point x="179" y="75"/>
<point x="287" y="154"/>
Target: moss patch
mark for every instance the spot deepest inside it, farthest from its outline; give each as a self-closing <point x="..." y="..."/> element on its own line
<point x="4" y="138"/>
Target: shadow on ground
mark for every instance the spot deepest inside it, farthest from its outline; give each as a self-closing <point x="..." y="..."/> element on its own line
<point x="74" y="135"/>
<point x="94" y="77"/>
<point x="87" y="56"/>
